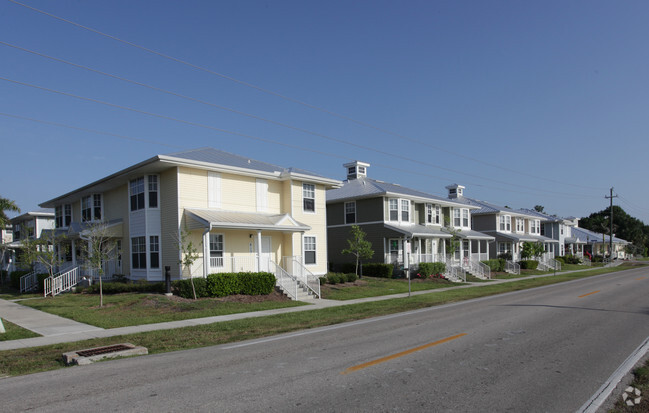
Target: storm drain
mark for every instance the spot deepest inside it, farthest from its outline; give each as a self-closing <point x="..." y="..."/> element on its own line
<point x="90" y="355"/>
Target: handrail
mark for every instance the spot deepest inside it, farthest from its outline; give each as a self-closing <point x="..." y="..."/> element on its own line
<point x="28" y="282"/>
<point x="61" y="282"/>
<point x="284" y="280"/>
<point x="512" y="267"/>
<point x="486" y="270"/>
<point x="306" y="277"/>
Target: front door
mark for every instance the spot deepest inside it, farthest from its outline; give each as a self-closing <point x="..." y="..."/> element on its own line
<point x="266" y="253"/>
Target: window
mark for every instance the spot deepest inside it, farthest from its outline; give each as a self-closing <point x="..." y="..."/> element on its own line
<point x="405" y="210"/>
<point x="153" y="191"/>
<point x="308" y="197"/>
<point x="520" y="225"/>
<point x="561" y="231"/>
<point x="429" y="213"/>
<point x="86" y="208"/>
<point x="96" y="207"/>
<point x="58" y="216"/>
<point x="505" y="223"/>
<point x="216" y="250"/>
<point x="154" y="251"/>
<point x="138" y="252"/>
<point x="438" y="215"/>
<point x="465" y="218"/>
<point x="394" y="209"/>
<point x="351" y="170"/>
<point x="350" y="212"/>
<point x="67" y="215"/>
<point x="543" y="229"/>
<point x="503" y="247"/>
<point x="309" y="250"/>
<point x="535" y="226"/>
<point x="456" y="217"/>
<point x="137" y="194"/>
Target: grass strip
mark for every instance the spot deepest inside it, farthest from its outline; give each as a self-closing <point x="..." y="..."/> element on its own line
<point x="14" y="332"/>
<point x="32" y="360"/>
<point x="640" y="382"/>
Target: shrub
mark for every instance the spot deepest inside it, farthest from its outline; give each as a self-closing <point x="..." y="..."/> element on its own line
<point x="528" y="264"/>
<point x="351" y="277"/>
<point x="184" y="288"/>
<point x="431" y="268"/>
<point x="223" y="284"/>
<point x="497" y="265"/>
<point x="507" y="256"/>
<point x="138" y="287"/>
<point x="378" y="270"/>
<point x="333" y="278"/>
<point x="560" y="259"/>
<point x="15" y="278"/>
<point x="323" y="280"/>
<point x="256" y="283"/>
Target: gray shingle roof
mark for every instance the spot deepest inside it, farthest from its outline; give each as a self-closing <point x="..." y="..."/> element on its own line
<point x="364" y="187"/>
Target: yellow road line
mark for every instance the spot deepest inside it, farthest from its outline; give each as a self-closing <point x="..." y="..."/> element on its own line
<point x="585" y="295"/>
<point x="640" y="279"/>
<point x="397" y="355"/>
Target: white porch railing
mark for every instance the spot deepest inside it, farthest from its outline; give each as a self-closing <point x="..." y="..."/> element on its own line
<point x="28" y="282"/>
<point x="302" y="274"/>
<point x="455" y="273"/>
<point x="478" y="269"/>
<point x="61" y="282"/>
<point x="586" y="261"/>
<point x="512" y="268"/>
<point x="284" y="281"/>
<point x="237" y="263"/>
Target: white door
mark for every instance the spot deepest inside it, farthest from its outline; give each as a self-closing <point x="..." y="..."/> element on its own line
<point x="266" y="254"/>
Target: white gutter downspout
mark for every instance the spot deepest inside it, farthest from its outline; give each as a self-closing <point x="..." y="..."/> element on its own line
<point x="259" y="249"/>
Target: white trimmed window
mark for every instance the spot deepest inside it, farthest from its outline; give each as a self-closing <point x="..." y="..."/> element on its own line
<point x="138" y="252"/>
<point x="393" y="206"/>
<point x="91" y="208"/>
<point x="309" y="250"/>
<point x="429" y="213"/>
<point x="457" y="219"/>
<point x="350" y="212"/>
<point x="433" y="214"/>
<point x="216" y="250"/>
<point x="465" y="218"/>
<point x="405" y="210"/>
<point x="153" y="191"/>
<point x="58" y="216"/>
<point x="308" y="197"/>
<point x="67" y="215"/>
<point x="154" y="251"/>
<point x="136" y="191"/>
<point x="503" y="247"/>
<point x="505" y="223"/>
<point x="399" y="210"/>
<point x="520" y="225"/>
<point x="535" y="226"/>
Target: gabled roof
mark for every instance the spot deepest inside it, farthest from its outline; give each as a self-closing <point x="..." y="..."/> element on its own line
<point x="364" y="187"/>
<point x="205" y="158"/>
<point x="216" y="218"/>
<point x="546" y="217"/>
<point x="485" y="208"/>
<point x="39" y="213"/>
<point x="593" y="237"/>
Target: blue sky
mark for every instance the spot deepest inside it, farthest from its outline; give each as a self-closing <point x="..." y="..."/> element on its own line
<point x="524" y="103"/>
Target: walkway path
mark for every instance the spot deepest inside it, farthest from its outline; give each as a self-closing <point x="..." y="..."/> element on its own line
<point x="55" y="329"/>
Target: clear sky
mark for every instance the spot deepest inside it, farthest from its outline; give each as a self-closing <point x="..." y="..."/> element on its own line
<point x="524" y="103"/>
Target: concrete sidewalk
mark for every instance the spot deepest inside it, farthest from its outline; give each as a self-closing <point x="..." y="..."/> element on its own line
<point x="55" y="329"/>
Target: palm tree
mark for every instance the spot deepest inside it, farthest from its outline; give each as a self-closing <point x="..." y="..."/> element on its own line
<point x="6" y="205"/>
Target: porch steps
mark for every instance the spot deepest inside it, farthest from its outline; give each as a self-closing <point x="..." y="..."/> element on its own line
<point x="303" y="293"/>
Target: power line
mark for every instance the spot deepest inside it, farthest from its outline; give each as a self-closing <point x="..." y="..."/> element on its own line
<point x="297" y="101"/>
<point x="240" y="134"/>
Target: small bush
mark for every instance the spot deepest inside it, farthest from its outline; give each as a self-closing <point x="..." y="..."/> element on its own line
<point x="223" y="284"/>
<point x="497" y="265"/>
<point x="507" y="256"/>
<point x="333" y="278"/>
<point x="184" y="288"/>
<point x="528" y="264"/>
<point x="15" y="278"/>
<point x="256" y="283"/>
<point x="427" y="269"/>
<point x="378" y="270"/>
<point x="323" y="280"/>
<point x="351" y="277"/>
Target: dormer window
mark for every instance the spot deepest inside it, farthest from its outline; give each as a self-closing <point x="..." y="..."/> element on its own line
<point x="399" y="210"/>
<point x="433" y="214"/>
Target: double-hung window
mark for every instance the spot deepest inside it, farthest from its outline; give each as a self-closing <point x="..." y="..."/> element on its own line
<point x="429" y="214"/>
<point x="58" y="216"/>
<point x="393" y="206"/>
<point x="153" y="191"/>
<point x="350" y="212"/>
<point x="154" y="251"/>
<point x="308" y="197"/>
<point x="309" y="250"/>
<point x="96" y="207"/>
<point x="457" y="219"/>
<point x="535" y="226"/>
<point x="137" y="194"/>
<point x="86" y="208"/>
<point x="216" y="250"/>
<point x="138" y="252"/>
<point x="505" y="223"/>
<point x="67" y="215"/>
<point x="520" y="225"/>
<point x="405" y="210"/>
<point x="465" y="218"/>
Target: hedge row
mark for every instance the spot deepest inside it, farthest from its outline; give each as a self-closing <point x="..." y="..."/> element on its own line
<point x="338" y="277"/>
<point x="378" y="270"/>
<point x="431" y="268"/>
<point x="224" y="284"/>
<point x="528" y="264"/>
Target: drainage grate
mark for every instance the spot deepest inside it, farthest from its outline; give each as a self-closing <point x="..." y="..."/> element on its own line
<point x="103" y="350"/>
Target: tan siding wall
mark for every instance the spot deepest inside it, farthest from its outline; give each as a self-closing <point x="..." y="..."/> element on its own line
<point x="318" y="223"/>
<point x="116" y="205"/>
<point x="192" y="188"/>
<point x="238" y="193"/>
<point x="170" y="216"/>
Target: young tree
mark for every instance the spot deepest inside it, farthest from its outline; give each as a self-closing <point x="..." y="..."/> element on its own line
<point x="6" y="205"/>
<point x="453" y="244"/>
<point x="99" y="248"/>
<point x="358" y="245"/>
<point x="189" y="254"/>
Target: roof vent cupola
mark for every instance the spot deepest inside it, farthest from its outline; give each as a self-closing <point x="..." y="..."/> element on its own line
<point x="356" y="169"/>
<point x="455" y="191"/>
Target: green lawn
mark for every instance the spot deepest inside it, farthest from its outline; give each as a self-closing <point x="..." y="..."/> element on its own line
<point x="14" y="332"/>
<point x="130" y="309"/>
<point x="374" y="287"/>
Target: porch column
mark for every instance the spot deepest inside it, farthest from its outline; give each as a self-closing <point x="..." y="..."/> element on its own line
<point x="206" y="254"/>
<point x="259" y="250"/>
<point x="74" y="252"/>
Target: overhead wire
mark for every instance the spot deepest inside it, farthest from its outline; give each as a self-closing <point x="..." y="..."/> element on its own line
<point x="293" y="100"/>
<point x="240" y="134"/>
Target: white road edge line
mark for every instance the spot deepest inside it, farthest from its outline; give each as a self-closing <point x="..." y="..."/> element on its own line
<point x="600" y="396"/>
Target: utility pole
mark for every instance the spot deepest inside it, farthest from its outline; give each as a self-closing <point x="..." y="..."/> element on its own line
<point x="610" y="239"/>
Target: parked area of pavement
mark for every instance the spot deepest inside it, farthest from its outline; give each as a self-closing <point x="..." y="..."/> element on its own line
<point x="55" y="329"/>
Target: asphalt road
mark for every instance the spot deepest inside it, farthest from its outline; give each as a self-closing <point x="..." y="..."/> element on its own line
<point x="542" y="350"/>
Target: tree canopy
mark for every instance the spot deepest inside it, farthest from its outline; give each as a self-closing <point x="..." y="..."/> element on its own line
<point x="6" y="205"/>
<point x="625" y="226"/>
